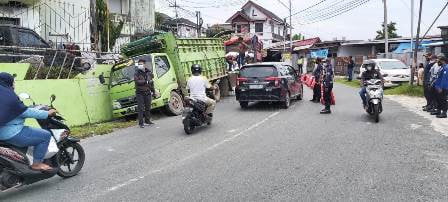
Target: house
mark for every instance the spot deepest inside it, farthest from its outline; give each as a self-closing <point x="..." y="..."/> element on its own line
<point x="68" y="21"/>
<point x="182" y="27"/>
<point x="254" y="19"/>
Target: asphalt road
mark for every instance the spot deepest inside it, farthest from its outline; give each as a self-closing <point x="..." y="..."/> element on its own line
<point x="263" y="154"/>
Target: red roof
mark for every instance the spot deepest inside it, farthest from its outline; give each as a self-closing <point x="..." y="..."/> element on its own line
<point x="306" y="42"/>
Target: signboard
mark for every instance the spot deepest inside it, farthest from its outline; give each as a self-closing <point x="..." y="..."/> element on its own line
<point x="322" y="53"/>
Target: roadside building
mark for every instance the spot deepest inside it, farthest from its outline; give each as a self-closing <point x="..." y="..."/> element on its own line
<point x="253" y="19"/>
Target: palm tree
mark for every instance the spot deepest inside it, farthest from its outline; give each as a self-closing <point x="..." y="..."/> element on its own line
<point x="392" y="30"/>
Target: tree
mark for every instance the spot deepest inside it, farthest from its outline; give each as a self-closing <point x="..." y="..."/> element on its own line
<point x="108" y="30"/>
<point x="298" y="37"/>
<point x="392" y="29"/>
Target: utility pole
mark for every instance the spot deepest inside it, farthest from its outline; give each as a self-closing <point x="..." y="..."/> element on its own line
<point x="290" y="24"/>
<point x="417" y="42"/>
<point x="412" y="26"/>
<point x="284" y="34"/>
<point x="386" y="31"/>
<point x="198" y="23"/>
<point x="175" y="6"/>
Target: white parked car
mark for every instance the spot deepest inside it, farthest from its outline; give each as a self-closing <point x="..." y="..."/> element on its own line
<point x="394" y="71"/>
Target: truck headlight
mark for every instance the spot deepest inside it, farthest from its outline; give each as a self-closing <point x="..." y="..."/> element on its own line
<point x="116" y="105"/>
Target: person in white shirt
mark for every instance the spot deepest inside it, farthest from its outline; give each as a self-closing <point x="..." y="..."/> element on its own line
<point x="198" y="85"/>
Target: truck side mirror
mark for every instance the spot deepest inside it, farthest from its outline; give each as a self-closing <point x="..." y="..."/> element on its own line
<point x="102" y="79"/>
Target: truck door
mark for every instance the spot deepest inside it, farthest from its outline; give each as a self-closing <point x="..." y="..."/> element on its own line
<point x="163" y="73"/>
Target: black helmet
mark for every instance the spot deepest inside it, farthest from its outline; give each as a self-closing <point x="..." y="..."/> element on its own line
<point x="196" y="69"/>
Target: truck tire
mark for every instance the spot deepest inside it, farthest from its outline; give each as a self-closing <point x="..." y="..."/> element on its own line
<point x="175" y="105"/>
<point x="224" y="86"/>
<point x="217" y="92"/>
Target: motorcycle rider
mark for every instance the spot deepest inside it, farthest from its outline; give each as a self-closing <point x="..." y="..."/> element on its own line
<point x="12" y="128"/>
<point x="197" y="84"/>
<point x="370" y="73"/>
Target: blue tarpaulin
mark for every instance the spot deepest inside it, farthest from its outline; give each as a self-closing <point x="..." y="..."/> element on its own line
<point x="406" y="47"/>
<point x="322" y="53"/>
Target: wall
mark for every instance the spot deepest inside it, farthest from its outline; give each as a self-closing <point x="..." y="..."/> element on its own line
<point x="82" y="100"/>
<point x="345" y="51"/>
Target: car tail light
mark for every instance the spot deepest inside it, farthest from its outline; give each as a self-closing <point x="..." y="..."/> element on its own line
<point x="276" y="80"/>
<point x="241" y="80"/>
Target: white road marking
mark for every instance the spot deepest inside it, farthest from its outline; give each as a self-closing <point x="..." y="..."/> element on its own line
<point x="133" y="180"/>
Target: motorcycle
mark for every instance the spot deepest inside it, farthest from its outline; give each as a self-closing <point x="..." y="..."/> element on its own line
<point x="65" y="154"/>
<point x="194" y="114"/>
<point x="374" y="88"/>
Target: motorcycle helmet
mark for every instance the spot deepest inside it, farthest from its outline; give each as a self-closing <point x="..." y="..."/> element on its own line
<point x="369" y="65"/>
<point x="196" y="69"/>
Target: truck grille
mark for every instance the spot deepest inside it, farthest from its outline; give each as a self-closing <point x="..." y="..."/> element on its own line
<point x="128" y="102"/>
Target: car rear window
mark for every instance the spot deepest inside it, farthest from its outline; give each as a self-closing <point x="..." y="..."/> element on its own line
<point x="258" y="71"/>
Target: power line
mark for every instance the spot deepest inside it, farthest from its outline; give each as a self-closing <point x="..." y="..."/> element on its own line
<point x="339" y="12"/>
<point x="310" y="7"/>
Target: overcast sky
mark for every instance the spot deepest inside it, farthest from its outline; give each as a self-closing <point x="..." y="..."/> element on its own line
<point x="359" y="23"/>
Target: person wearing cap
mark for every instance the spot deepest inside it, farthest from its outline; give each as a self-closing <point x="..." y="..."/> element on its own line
<point x="441" y="86"/>
<point x="432" y="61"/>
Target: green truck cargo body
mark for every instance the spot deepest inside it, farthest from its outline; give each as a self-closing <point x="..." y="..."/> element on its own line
<point x="181" y="53"/>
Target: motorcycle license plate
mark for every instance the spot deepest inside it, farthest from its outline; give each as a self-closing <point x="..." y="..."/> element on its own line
<point x="256" y="86"/>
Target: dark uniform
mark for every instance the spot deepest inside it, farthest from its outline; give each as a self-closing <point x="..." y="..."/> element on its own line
<point x="144" y="91"/>
<point x="430" y="101"/>
<point x="317" y="76"/>
<point x="327" y="84"/>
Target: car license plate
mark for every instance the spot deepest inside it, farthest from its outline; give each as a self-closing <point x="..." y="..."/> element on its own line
<point x="256" y="86"/>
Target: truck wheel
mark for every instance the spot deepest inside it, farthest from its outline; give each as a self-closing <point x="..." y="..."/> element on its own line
<point x="217" y="93"/>
<point x="175" y="105"/>
<point x="224" y="86"/>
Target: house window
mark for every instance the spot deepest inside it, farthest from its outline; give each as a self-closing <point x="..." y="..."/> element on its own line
<point x="253" y="13"/>
<point x="273" y="29"/>
<point x="258" y="27"/>
<point x="238" y="28"/>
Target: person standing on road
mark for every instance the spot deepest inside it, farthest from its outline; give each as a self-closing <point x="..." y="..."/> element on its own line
<point x="327" y="84"/>
<point x="300" y="62"/>
<point x="350" y="67"/>
<point x="434" y="72"/>
<point x="144" y="86"/>
<point x="441" y="86"/>
<point x="426" y="82"/>
<point x="242" y="49"/>
<point x="317" y="86"/>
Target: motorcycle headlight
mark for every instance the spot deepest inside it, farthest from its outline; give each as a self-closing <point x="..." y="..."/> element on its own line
<point x="116" y="105"/>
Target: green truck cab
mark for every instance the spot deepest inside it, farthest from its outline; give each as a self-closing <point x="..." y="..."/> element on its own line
<point x="170" y="60"/>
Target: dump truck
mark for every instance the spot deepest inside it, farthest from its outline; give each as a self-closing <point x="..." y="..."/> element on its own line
<point x="170" y="59"/>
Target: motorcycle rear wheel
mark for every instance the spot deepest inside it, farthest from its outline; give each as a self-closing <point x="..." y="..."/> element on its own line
<point x="66" y="159"/>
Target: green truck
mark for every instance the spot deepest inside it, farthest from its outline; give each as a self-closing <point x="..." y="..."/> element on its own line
<point x="170" y="59"/>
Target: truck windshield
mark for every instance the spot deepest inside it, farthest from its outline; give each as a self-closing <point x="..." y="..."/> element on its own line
<point x="126" y="74"/>
<point x="123" y="75"/>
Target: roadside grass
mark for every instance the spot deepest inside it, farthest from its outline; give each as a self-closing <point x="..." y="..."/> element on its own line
<point x="404" y="89"/>
<point x="90" y="130"/>
<point x="354" y="83"/>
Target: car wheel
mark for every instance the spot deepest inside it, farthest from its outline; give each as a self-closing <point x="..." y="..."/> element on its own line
<point x="287" y="101"/>
<point x="244" y="105"/>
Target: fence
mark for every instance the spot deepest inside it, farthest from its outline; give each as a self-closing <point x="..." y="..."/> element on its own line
<point x="54" y="63"/>
<point x="80" y="100"/>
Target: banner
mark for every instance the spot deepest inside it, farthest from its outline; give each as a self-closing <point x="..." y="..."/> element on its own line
<point x="322" y="53"/>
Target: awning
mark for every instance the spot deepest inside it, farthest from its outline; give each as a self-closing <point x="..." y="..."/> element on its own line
<point x="440" y="43"/>
<point x="406" y="47"/>
<point x="302" y="47"/>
